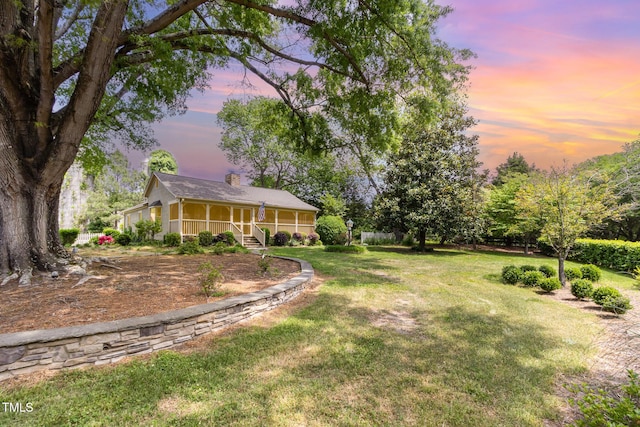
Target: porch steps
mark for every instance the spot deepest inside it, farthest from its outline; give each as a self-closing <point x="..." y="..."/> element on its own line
<point x="251" y="242"/>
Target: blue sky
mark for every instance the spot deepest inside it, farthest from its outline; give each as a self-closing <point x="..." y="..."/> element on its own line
<point x="552" y="80"/>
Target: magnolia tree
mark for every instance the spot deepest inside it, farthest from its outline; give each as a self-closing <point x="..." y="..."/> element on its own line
<point x="77" y="74"/>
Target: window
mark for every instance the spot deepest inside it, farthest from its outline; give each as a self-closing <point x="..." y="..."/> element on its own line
<point x="286" y="217"/>
<point x="155" y="213"/>
<point x="173" y="211"/>
<point x="269" y="215"/>
<point x="306" y="218"/>
<point x="219" y="213"/>
<point x="194" y="211"/>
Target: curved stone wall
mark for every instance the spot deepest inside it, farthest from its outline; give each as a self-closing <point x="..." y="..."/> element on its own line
<point x="109" y="342"/>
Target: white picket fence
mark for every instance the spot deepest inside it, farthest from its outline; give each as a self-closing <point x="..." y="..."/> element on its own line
<point x="366" y="235"/>
<point x="85" y="237"/>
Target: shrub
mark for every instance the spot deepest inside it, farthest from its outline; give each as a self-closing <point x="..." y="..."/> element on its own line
<point x="93" y="241"/>
<point x="617" y="305"/>
<point x="69" y="235"/>
<point x="190" y="248"/>
<point x="280" y="239"/>
<point x="219" y="248"/>
<point x="313" y="239"/>
<point x="330" y="228"/>
<point x="205" y="238"/>
<point x="525" y="268"/>
<point x="123" y="239"/>
<point x="572" y="273"/>
<point x="614" y="254"/>
<point x="210" y="279"/>
<point x="511" y="274"/>
<point x="550" y="284"/>
<point x="297" y="237"/>
<point x="172" y="239"/>
<point x="581" y="288"/>
<point x="230" y="239"/>
<point x="532" y="278"/>
<point x="547" y="270"/>
<point x="408" y="240"/>
<point x="591" y="272"/>
<point x="105" y="240"/>
<point x="600" y="408"/>
<point x="267" y="236"/>
<point x="111" y="232"/>
<point x="351" y="249"/>
<point x="599" y="294"/>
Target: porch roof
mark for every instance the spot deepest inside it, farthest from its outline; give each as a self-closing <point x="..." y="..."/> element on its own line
<point x="202" y="189"/>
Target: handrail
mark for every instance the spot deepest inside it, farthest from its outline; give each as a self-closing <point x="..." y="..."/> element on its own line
<point x="259" y="234"/>
<point x="237" y="233"/>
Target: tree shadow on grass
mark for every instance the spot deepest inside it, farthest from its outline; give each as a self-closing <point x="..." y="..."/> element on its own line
<point x="437" y="251"/>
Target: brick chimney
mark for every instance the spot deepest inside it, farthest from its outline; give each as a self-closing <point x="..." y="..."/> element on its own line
<point x="232" y="179"/>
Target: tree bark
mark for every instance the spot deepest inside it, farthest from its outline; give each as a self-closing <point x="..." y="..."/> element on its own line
<point x="422" y="238"/>
<point x="561" y="275"/>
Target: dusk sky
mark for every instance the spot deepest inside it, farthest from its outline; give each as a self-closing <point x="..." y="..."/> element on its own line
<point x="552" y="80"/>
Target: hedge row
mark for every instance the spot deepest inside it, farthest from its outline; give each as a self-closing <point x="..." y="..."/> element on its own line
<point x="614" y="254"/>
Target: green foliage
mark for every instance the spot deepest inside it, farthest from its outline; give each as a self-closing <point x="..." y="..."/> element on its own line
<point x="267" y="236"/>
<point x="532" y="278"/>
<point x="550" y="284"/>
<point x="111" y="232"/>
<point x="380" y="241"/>
<point x="124" y="239"/>
<point x="408" y="240"/>
<point x="147" y="229"/>
<point x="601" y="293"/>
<point x="190" y="248"/>
<point x="511" y="274"/>
<point x="601" y="408"/>
<point x="329" y="228"/>
<point x="351" y="249"/>
<point x="219" y="248"/>
<point x="430" y="185"/>
<point x="314" y="238"/>
<point x="528" y="267"/>
<point x="172" y="239"/>
<point x="229" y="238"/>
<point x="590" y="272"/>
<point x="280" y="239"/>
<point x="68" y="235"/>
<point x="572" y="273"/>
<point x="286" y="233"/>
<point x="581" y="288"/>
<point x="162" y="161"/>
<point x="614" y="254"/>
<point x="616" y="304"/>
<point x="547" y="270"/>
<point x="515" y="164"/>
<point x="210" y="279"/>
<point x="205" y="238"/>
<point x="333" y="206"/>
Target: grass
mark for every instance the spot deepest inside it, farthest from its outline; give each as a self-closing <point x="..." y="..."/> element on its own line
<point x="393" y="338"/>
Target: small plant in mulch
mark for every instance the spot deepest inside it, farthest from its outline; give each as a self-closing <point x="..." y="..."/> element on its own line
<point x="210" y="280"/>
<point x="264" y="265"/>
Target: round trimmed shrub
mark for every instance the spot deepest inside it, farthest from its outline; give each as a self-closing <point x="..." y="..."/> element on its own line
<point x="550" y="284"/>
<point x="603" y="292"/>
<point x="548" y="271"/>
<point x="511" y="274"/>
<point x="532" y="278"/>
<point x="591" y="272"/>
<point x="190" y="248"/>
<point x="330" y="228"/>
<point x="123" y="239"/>
<point x="572" y="273"/>
<point x="527" y="267"/>
<point x="230" y="239"/>
<point x="313" y="239"/>
<point x="68" y="235"/>
<point x="111" y="232"/>
<point x="617" y="305"/>
<point x="172" y="239"/>
<point x="205" y="238"/>
<point x="581" y="288"/>
<point x="280" y="239"/>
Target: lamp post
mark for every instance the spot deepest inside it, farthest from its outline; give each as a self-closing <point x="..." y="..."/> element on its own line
<point x="349" y="227"/>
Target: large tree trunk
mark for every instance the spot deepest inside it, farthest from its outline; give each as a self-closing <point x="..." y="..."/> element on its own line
<point x="561" y="275"/>
<point x="422" y="239"/>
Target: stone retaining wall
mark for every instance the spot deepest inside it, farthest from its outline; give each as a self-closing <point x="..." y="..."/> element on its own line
<point x="109" y="342"/>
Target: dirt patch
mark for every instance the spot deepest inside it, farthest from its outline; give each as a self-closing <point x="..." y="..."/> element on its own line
<point x="130" y="286"/>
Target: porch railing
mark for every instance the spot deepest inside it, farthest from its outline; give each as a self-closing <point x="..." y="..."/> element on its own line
<point x="259" y="235"/>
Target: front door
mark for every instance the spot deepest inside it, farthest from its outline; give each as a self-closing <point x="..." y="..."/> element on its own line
<point x="242" y="219"/>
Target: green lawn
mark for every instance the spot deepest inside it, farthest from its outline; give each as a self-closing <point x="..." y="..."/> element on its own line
<point x="395" y="338"/>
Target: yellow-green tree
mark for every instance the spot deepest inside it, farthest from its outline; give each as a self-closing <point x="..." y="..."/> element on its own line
<point x="566" y="204"/>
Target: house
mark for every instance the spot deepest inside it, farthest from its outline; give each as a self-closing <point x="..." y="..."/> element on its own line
<point x="190" y="205"/>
